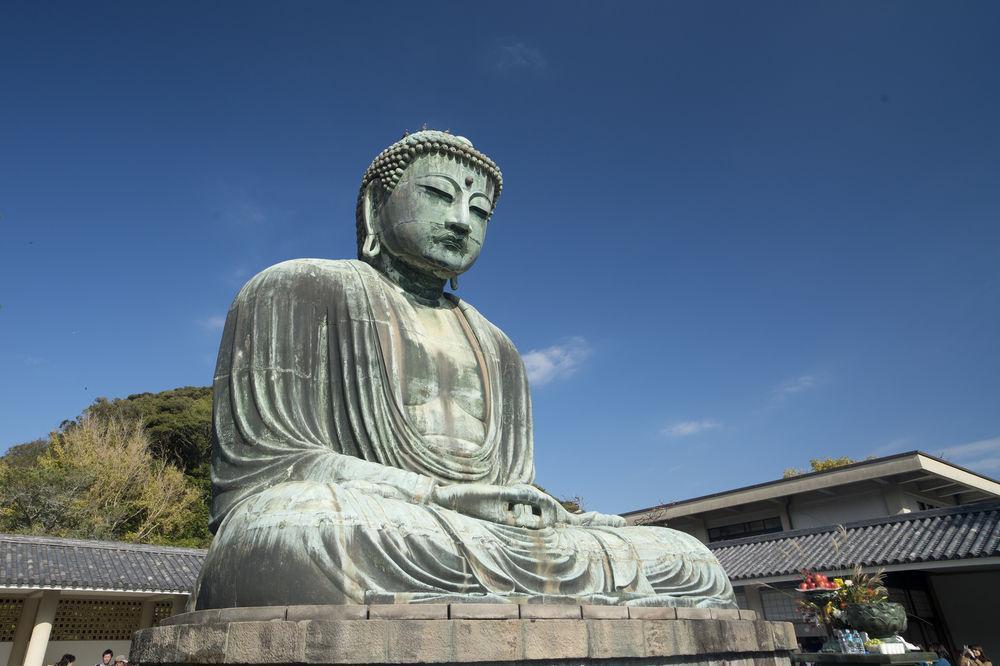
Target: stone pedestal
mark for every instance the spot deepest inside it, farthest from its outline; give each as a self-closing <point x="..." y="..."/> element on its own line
<point x="535" y="634"/>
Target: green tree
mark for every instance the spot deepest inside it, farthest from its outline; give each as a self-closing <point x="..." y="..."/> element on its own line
<point x="99" y="479"/>
<point x="821" y="465"/>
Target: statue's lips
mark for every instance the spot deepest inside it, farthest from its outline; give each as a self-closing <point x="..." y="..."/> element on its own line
<point x="452" y="242"/>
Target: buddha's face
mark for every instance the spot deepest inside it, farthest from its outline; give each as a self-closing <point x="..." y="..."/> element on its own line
<point x="435" y="218"/>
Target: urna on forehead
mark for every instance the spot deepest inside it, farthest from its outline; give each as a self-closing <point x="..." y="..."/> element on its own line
<point x="390" y="165"/>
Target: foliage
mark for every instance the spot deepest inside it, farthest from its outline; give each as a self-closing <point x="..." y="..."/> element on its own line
<point x="178" y="423"/>
<point x="98" y="479"/>
<point x="822" y="465"/>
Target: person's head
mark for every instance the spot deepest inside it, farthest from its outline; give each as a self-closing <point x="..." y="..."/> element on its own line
<point x="425" y="200"/>
<point x="121" y="659"/>
<point x="977" y="650"/>
<point x="66" y="660"/>
<point x="106" y="657"/>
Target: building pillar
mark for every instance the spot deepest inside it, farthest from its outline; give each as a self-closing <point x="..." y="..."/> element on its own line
<point x="22" y="632"/>
<point x="146" y="617"/>
<point x="42" y="629"/>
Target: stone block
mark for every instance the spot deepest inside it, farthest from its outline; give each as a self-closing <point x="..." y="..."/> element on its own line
<point x="661" y="637"/>
<point x="483" y="611"/>
<point x="157" y="645"/>
<point x="765" y="635"/>
<point x="784" y="636"/>
<point x="420" y="640"/>
<point x="725" y="613"/>
<point x="264" y="642"/>
<point x="615" y="639"/>
<point x="551" y="612"/>
<point x="710" y="636"/>
<point x="748" y="614"/>
<point x="685" y="613"/>
<point x="487" y="640"/>
<point x="555" y="639"/>
<point x="738" y="635"/>
<point x="408" y="611"/>
<point x="252" y="614"/>
<point x="652" y="613"/>
<point x="345" y="641"/>
<point x="604" y="612"/>
<point x="326" y="612"/>
<point x="201" y="643"/>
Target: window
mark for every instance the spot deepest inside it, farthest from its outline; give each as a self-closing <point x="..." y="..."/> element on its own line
<point x="779" y="605"/>
<point x="10" y="613"/>
<point x="747" y="529"/>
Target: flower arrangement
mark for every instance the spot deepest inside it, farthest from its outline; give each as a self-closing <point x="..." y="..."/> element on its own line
<point x="859" y="602"/>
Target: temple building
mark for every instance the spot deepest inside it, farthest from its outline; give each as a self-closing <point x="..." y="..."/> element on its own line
<point x="933" y="528"/>
<point x="80" y="597"/>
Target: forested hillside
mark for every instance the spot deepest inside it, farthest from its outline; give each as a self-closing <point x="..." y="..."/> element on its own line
<point x="131" y="469"/>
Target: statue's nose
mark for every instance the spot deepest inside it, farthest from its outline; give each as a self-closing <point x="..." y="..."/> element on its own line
<point x="459" y="226"/>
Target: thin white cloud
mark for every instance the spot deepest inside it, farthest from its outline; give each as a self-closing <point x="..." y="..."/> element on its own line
<point x="688" y="428"/>
<point x="792" y="387"/>
<point x="981" y="455"/>
<point x="796" y="385"/>
<point x="556" y="362"/>
<point x="514" y="55"/>
<point x="214" y="323"/>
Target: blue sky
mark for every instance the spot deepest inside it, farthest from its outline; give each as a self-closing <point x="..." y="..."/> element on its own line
<point x="733" y="236"/>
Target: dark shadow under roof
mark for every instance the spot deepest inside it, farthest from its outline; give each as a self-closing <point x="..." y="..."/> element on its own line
<point x="956" y="533"/>
<point x="75" y="564"/>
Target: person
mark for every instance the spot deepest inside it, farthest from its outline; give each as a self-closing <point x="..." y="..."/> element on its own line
<point x="121" y="659"/>
<point x="944" y="658"/>
<point x="372" y="437"/>
<point x="66" y="660"/>
<point x="974" y="656"/>
<point x="106" y="658"/>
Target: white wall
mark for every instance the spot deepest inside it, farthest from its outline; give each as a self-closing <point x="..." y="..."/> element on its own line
<point x="842" y="507"/>
<point x="969" y="605"/>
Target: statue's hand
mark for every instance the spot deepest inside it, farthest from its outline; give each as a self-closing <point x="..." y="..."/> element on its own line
<point x="518" y="506"/>
<point x="594" y="519"/>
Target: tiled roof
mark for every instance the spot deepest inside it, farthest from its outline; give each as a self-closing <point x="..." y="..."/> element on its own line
<point x="956" y="533"/>
<point x="46" y="562"/>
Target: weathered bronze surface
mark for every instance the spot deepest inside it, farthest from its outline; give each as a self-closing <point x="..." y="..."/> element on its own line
<point x="373" y="435"/>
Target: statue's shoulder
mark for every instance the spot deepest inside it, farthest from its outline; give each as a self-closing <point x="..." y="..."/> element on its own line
<point x="484" y="324"/>
<point x="298" y="275"/>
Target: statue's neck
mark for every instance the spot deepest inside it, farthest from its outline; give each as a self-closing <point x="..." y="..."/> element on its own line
<point x="427" y="289"/>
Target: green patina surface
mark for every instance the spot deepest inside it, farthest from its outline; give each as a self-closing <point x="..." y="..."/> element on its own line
<point x="373" y="434"/>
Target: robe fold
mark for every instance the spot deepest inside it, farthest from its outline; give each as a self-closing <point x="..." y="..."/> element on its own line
<point x="321" y="483"/>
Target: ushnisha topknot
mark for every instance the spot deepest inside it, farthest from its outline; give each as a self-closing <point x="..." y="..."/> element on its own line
<point x="388" y="166"/>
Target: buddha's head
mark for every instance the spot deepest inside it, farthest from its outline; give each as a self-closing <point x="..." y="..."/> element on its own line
<point x="425" y="201"/>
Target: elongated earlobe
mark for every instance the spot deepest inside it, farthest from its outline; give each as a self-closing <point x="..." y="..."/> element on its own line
<point x="454" y="283"/>
<point x="372" y="246"/>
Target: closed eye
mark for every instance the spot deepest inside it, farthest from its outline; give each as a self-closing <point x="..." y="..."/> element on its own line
<point x="479" y="212"/>
<point x="436" y="192"/>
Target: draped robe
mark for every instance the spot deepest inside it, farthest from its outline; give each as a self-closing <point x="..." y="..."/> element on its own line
<point x="321" y="484"/>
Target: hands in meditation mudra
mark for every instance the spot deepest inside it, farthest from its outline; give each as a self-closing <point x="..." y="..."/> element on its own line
<point x="372" y="434"/>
